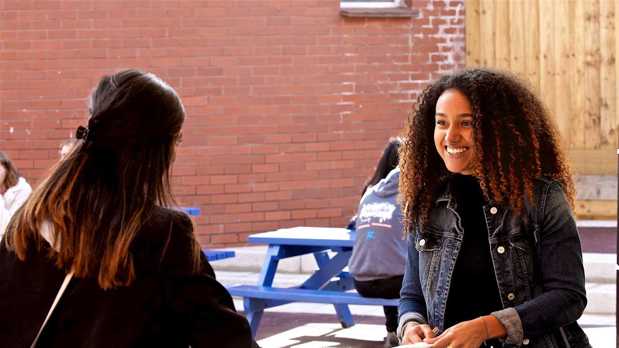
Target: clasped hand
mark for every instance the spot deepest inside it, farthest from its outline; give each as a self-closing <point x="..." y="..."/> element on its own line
<point x="467" y="334"/>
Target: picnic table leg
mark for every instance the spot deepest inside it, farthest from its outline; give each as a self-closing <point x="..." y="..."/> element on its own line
<point x="254" y="309"/>
<point x="269" y="267"/>
<point x="329" y="267"/>
<point x="343" y="313"/>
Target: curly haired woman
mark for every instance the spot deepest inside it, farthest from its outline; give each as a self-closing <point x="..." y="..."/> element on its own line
<point x="494" y="256"/>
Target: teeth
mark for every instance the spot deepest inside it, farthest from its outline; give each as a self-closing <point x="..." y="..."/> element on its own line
<point x="454" y="150"/>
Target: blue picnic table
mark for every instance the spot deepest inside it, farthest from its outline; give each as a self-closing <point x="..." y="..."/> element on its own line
<point x="191" y="211"/>
<point x="211" y="254"/>
<point x="216" y="254"/>
<point x="331" y="247"/>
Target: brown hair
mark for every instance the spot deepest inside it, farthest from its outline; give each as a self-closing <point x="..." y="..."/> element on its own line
<point x="12" y="175"/>
<point x="515" y="143"/>
<point x="100" y="197"/>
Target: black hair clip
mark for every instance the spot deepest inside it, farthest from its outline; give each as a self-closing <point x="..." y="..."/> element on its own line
<point x="81" y="133"/>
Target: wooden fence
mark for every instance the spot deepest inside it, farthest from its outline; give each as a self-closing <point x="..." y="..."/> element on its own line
<point x="566" y="50"/>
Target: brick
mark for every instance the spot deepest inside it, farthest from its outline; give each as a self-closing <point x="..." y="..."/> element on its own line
<point x="223" y="179"/>
<point x="277" y="215"/>
<point x="265" y="226"/>
<point x="240" y="227"/>
<point x="265" y="168"/>
<point x="266" y="206"/>
<point x="223" y="199"/>
<point x="304" y="214"/>
<point x="224" y="238"/>
<point x="251" y="197"/>
<point x="238" y="208"/>
<point x="210" y="189"/>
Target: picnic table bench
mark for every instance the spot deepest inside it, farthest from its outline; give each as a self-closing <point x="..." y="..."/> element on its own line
<point x="216" y="254"/>
<point x="331" y="247"/>
<point x="309" y="295"/>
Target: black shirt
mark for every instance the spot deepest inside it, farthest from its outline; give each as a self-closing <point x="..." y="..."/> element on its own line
<point x="473" y="291"/>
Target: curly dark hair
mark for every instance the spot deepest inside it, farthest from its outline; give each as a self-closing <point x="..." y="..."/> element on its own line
<point x="514" y="140"/>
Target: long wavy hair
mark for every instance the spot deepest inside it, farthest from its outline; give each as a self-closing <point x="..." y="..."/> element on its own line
<point x="12" y="174"/>
<point x="98" y="198"/>
<point x="515" y="144"/>
<point x="386" y="163"/>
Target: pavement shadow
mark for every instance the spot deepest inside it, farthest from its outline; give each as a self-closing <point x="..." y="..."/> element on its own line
<point x="288" y="330"/>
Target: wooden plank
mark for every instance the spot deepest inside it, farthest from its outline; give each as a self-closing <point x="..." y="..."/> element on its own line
<point x="473" y="35"/>
<point x="501" y="35"/>
<point x="595" y="210"/>
<point x="517" y="30"/>
<point x="608" y="101"/>
<point x="593" y="162"/>
<point x="487" y="31"/>
<point x="531" y="48"/>
<point x="577" y="136"/>
<point x="596" y="187"/>
<point x="547" y="52"/>
<point x="616" y="119"/>
<point x="591" y="84"/>
<point x="563" y="61"/>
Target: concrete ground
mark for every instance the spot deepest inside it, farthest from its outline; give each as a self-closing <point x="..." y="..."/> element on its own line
<point x="288" y="330"/>
<point x="307" y="325"/>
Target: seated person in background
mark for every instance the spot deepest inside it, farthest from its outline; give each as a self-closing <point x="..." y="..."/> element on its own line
<point x="66" y="147"/>
<point x="379" y="255"/>
<point x="14" y="190"/>
<point x="138" y="276"/>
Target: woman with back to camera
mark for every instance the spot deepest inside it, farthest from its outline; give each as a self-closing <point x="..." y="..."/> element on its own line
<point x="379" y="255"/>
<point x="494" y="254"/>
<point x="14" y="190"/>
<point x="139" y="278"/>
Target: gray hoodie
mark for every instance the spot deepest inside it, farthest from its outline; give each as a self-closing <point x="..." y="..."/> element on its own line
<point x="380" y="248"/>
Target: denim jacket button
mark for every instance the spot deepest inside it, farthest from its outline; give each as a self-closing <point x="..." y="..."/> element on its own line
<point x="525" y="341"/>
<point x="500" y="250"/>
<point x="422" y="242"/>
<point x="511" y="296"/>
<point x="493" y="210"/>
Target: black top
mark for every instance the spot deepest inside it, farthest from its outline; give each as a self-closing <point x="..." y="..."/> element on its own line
<point x="473" y="291"/>
<point x="166" y="306"/>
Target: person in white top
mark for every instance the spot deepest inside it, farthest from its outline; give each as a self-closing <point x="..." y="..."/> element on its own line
<point x="14" y="190"/>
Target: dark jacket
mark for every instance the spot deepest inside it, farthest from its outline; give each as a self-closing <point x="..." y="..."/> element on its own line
<point x="537" y="262"/>
<point x="166" y="306"/>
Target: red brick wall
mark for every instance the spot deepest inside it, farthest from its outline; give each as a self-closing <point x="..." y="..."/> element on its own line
<point x="289" y="104"/>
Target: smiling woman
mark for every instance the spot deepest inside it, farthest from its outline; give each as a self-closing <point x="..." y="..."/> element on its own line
<point x="494" y="257"/>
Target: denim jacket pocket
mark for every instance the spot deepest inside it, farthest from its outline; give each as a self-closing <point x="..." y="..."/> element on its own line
<point x="523" y="266"/>
<point x="429" y="246"/>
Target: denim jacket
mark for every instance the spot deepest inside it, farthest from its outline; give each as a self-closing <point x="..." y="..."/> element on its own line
<point x="537" y="261"/>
